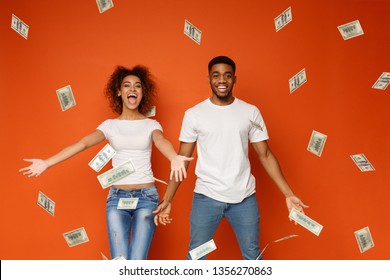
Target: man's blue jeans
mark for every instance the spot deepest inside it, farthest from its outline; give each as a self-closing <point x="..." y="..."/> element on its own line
<point x="130" y="232"/>
<point x="244" y="217"/>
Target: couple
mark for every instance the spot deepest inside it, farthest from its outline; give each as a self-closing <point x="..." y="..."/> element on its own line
<point x="220" y="127"/>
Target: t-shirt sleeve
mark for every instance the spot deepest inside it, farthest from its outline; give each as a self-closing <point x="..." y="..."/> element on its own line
<point x="156" y="126"/>
<point x="258" y="131"/>
<point x="105" y="128"/>
<point x="188" y="132"/>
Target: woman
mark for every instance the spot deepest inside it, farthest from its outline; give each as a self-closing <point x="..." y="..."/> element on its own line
<point x="131" y="93"/>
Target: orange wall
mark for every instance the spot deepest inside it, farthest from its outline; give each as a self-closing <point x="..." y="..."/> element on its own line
<point x="70" y="42"/>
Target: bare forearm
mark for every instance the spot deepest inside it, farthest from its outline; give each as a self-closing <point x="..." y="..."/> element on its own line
<point x="66" y="153"/>
<point x="166" y="148"/>
<point x="272" y="167"/>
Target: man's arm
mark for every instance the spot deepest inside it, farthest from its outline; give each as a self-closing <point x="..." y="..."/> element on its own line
<point x="185" y="149"/>
<point x="272" y="167"/>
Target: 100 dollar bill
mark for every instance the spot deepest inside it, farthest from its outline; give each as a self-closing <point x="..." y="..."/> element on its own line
<point x="203" y="250"/>
<point x="46" y="203"/>
<point x="113" y="175"/>
<point x="102" y="157"/>
<point x="76" y="237"/>
<point x="305" y="221"/>
<point x="364" y="239"/>
<point x="19" y="26"/>
<point x="298" y="80"/>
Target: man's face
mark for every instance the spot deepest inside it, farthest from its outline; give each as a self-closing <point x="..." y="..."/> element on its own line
<point x="222" y="79"/>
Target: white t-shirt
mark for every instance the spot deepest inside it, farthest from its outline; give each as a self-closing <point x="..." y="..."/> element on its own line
<point x="222" y="134"/>
<point x="132" y="139"/>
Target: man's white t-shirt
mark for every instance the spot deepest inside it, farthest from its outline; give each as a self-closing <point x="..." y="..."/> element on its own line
<point x="222" y="134"/>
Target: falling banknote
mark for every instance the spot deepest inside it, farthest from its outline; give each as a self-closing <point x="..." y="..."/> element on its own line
<point x="102" y="157"/>
<point x="151" y="113"/>
<point x="66" y="98"/>
<point x="364" y="239"/>
<point x="362" y="162"/>
<point x="383" y="81"/>
<point x="127" y="203"/>
<point x="298" y="80"/>
<point x="305" y="221"/>
<point x="283" y="19"/>
<point x="191" y="31"/>
<point x="76" y="237"/>
<point x="104" y="5"/>
<point x="109" y="177"/>
<point x="19" y="26"/>
<point x="46" y="203"/>
<point x="203" y="250"/>
<point x="350" y="30"/>
<point x="317" y="143"/>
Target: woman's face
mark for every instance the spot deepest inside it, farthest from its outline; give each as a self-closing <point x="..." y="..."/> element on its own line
<point x="131" y="92"/>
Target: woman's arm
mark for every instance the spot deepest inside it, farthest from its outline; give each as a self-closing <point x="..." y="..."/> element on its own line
<point x="38" y="165"/>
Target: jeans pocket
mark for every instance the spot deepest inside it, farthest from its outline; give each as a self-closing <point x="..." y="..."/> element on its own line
<point x="199" y="196"/>
<point x="150" y="194"/>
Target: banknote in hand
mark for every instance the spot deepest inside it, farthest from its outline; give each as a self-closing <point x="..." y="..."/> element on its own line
<point x="305" y="221"/>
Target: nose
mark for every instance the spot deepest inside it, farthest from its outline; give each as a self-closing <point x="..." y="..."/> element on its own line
<point x="221" y="79"/>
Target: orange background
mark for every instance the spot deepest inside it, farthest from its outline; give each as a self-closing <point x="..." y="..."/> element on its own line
<point x="71" y="43"/>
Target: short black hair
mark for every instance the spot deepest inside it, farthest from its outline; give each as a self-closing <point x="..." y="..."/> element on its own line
<point x="224" y="60"/>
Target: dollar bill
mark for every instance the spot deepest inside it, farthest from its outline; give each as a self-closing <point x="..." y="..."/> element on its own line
<point x="298" y="80"/>
<point x="111" y="176"/>
<point x="285" y="238"/>
<point x="76" y="237"/>
<point x="103" y="256"/>
<point x="46" y="203"/>
<point x="305" y="221"/>
<point x="362" y="162"/>
<point x="364" y="239"/>
<point x="19" y="26"/>
<point x="283" y="19"/>
<point x="256" y="125"/>
<point x="104" y="5"/>
<point x="127" y="203"/>
<point x="119" y="258"/>
<point x="102" y="157"/>
<point x="66" y="98"/>
<point x="203" y="250"/>
<point x="383" y="81"/>
<point x="317" y="143"/>
<point x="191" y="31"/>
<point x="350" y="30"/>
<point x="151" y="113"/>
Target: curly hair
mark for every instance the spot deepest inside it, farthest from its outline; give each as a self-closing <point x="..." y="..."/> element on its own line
<point x="115" y="82"/>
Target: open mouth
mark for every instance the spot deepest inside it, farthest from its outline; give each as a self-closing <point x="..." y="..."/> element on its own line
<point x="132" y="97"/>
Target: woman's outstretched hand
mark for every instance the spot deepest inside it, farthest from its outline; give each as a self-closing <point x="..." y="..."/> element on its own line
<point x="178" y="168"/>
<point x="35" y="169"/>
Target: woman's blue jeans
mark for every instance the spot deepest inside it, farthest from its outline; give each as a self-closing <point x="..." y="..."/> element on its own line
<point x="130" y="232"/>
<point x="244" y="217"/>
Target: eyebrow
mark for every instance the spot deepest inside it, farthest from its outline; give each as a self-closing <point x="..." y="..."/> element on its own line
<point x="128" y="82"/>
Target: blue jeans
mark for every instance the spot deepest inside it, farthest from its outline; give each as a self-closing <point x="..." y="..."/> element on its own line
<point x="130" y="232"/>
<point x="244" y="217"/>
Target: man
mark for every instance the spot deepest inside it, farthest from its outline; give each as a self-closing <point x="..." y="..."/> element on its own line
<point x="221" y="128"/>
